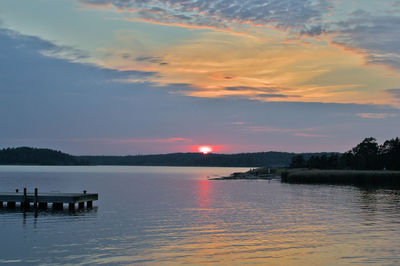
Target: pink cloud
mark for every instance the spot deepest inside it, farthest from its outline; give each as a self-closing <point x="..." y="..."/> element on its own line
<point x="275" y="129"/>
<point x="375" y="115"/>
<point x="166" y="140"/>
<point x="310" y="135"/>
<point x="111" y="140"/>
<point x="293" y="131"/>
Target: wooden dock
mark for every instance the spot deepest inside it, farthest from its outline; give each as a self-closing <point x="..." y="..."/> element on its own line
<point x="42" y="200"/>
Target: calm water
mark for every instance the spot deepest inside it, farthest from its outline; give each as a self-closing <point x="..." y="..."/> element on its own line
<point x="174" y="215"/>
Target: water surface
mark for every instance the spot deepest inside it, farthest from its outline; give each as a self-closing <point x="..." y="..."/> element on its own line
<point x="167" y="215"/>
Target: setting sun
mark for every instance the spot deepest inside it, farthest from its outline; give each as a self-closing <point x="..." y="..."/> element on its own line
<point x="205" y="149"/>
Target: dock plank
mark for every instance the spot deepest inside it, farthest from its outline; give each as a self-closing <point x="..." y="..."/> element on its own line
<point x="50" y="197"/>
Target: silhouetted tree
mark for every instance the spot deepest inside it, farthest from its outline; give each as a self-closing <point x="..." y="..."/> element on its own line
<point x="323" y="162"/>
<point x="297" y="161"/>
<point x="389" y="153"/>
<point x="346" y="161"/>
<point x="366" y="155"/>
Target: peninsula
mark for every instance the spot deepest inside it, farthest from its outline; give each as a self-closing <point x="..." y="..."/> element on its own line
<point x="366" y="164"/>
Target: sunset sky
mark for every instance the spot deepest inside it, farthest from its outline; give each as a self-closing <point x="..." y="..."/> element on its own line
<point x="157" y="76"/>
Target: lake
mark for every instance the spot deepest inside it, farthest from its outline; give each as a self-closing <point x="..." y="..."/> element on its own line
<point x="175" y="215"/>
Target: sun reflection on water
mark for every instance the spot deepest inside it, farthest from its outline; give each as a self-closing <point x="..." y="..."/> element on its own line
<point x="203" y="193"/>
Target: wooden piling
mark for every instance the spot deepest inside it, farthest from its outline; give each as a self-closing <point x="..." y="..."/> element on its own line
<point x="11" y="204"/>
<point x="35" y="201"/>
<point x="58" y="205"/>
<point x="1" y="204"/>
<point x="71" y="206"/>
<point x="89" y="204"/>
<point x="42" y="205"/>
<point x="25" y="202"/>
<point x="81" y="205"/>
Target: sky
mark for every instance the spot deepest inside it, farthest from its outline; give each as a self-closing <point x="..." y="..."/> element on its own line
<point x="118" y="77"/>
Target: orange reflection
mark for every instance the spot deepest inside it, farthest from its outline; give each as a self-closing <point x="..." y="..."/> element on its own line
<point x="203" y="193"/>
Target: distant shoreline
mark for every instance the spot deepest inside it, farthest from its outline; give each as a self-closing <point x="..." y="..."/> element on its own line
<point x="36" y="156"/>
<point x="315" y="176"/>
<point x="101" y="165"/>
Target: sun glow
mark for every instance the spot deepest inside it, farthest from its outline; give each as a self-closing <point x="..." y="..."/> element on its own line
<point x="205" y="149"/>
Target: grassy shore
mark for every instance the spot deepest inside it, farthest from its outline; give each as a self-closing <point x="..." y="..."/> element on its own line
<point x="257" y="173"/>
<point x="356" y="177"/>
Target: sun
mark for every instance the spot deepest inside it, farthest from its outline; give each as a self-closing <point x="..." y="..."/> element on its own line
<point x="205" y="149"/>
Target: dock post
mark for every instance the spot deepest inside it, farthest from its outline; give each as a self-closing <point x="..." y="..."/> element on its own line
<point x="11" y="204"/>
<point x="1" y="204"/>
<point x="25" y="203"/>
<point x="58" y="205"/>
<point x="42" y="205"/>
<point x="71" y="206"/>
<point x="89" y="204"/>
<point x="81" y="205"/>
<point x="35" y="203"/>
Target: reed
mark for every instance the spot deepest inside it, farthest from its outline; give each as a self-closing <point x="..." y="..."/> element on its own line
<point x="357" y="177"/>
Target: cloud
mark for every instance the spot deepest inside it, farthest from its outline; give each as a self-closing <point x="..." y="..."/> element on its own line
<point x="242" y="92"/>
<point x="296" y="132"/>
<point x="314" y="30"/>
<point x="25" y="49"/>
<point x="394" y="92"/>
<point x="45" y="48"/>
<point x="376" y="115"/>
<point x="163" y="140"/>
<point x="66" y="52"/>
<point x="238" y="123"/>
<point x="260" y="89"/>
<point x="212" y="62"/>
<point x="267" y="129"/>
<point x="372" y="34"/>
<point x="151" y="59"/>
<point x="270" y="95"/>
<point x="375" y="37"/>
<point x="105" y="140"/>
<point x="288" y="14"/>
<point x="45" y="101"/>
<point x="310" y="135"/>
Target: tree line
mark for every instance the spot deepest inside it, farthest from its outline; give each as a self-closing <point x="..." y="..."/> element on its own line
<point x="34" y="156"/>
<point x="259" y="159"/>
<point x="368" y="155"/>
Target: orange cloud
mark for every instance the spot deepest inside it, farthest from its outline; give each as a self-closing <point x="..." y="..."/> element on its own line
<point x="167" y="140"/>
<point x="310" y="135"/>
<point x="266" y="129"/>
<point x="215" y="62"/>
<point x="375" y="115"/>
<point x="188" y="26"/>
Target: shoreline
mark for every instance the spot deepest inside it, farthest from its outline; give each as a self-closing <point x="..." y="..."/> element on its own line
<point x="351" y="177"/>
<point x="315" y="176"/>
<point x="263" y="173"/>
<point x="245" y="176"/>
